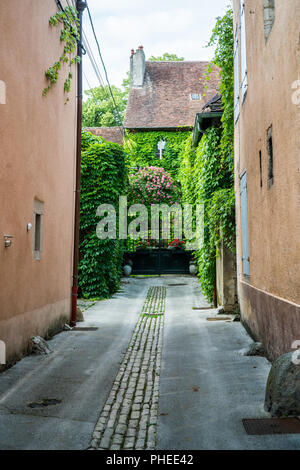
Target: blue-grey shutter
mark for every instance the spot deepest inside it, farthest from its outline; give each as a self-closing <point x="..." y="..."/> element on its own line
<point x="244" y="78"/>
<point x="244" y="224"/>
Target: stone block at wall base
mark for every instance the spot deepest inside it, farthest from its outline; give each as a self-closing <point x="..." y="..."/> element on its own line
<point x="283" y="387"/>
<point x="17" y="331"/>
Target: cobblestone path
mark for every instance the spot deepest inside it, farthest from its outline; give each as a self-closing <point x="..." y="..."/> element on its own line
<point x="129" y="417"/>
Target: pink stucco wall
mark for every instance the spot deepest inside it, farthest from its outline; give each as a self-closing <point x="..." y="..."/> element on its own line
<point x="37" y="147"/>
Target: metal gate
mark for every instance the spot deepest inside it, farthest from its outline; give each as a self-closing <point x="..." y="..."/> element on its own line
<point x="160" y="261"/>
<point x="157" y="259"/>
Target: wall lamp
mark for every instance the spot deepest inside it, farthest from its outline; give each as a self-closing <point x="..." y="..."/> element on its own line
<point x="7" y="240"/>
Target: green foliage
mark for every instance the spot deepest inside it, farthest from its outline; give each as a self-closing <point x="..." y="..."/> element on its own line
<point x="187" y="176"/>
<point x="126" y="84"/>
<point x="69" y="36"/>
<point x="221" y="218"/>
<point x="142" y="149"/>
<point x="205" y="181"/>
<point x="222" y="39"/>
<point x="103" y="180"/>
<point x="99" y="109"/>
<point x="166" y="58"/>
<point x="206" y="173"/>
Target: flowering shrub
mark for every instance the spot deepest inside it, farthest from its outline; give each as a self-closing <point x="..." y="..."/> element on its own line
<point x="153" y="185"/>
<point x="176" y="243"/>
<point x="143" y="244"/>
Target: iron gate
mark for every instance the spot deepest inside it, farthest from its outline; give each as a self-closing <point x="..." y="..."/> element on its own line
<point x="158" y="260"/>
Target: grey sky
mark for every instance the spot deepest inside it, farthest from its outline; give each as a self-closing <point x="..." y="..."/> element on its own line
<point x="182" y="27"/>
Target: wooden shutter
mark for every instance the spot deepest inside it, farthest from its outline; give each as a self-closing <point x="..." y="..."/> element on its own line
<point x="244" y="224"/>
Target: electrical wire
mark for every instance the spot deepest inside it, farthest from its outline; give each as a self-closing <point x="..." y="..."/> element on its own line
<point x="105" y="71"/>
<point x="87" y="50"/>
<point x="92" y="59"/>
<point x="90" y="88"/>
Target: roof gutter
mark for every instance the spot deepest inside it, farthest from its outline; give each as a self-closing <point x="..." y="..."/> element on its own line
<point x="202" y="122"/>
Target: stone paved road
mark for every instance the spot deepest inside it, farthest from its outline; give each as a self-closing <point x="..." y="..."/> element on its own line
<point x="204" y="386"/>
<point x="111" y="380"/>
<point x="129" y="417"/>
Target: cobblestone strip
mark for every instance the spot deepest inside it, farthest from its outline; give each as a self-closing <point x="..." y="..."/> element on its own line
<point x="129" y="418"/>
<point x="155" y="301"/>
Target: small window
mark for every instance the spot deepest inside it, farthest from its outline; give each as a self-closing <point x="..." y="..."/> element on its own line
<point x="260" y="169"/>
<point x="195" y="96"/>
<point x="269" y="16"/>
<point x="38" y="213"/>
<point x="270" y="149"/>
<point x="37" y="233"/>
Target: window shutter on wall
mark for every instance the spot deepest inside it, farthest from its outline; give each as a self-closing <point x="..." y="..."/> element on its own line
<point x="236" y="77"/>
<point x="244" y="78"/>
<point x="244" y="225"/>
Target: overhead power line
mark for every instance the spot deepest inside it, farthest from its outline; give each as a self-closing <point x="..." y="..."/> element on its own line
<point x="104" y="68"/>
<point x="92" y="59"/>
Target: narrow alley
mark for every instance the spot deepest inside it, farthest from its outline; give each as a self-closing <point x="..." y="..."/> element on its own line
<point x="142" y="372"/>
<point x="150" y="253"/>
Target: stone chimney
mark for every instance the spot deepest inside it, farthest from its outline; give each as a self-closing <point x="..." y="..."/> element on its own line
<point x="137" y="67"/>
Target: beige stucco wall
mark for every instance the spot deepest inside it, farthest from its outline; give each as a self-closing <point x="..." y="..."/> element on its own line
<point x="273" y="214"/>
<point x="37" y="146"/>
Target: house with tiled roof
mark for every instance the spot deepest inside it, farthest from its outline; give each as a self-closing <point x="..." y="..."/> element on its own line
<point x="164" y="99"/>
<point x="167" y="95"/>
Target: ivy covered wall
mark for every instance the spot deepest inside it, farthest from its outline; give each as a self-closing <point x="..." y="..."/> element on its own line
<point x="207" y="172"/>
<point x="103" y="180"/>
<point x="142" y="149"/>
<point x="204" y="180"/>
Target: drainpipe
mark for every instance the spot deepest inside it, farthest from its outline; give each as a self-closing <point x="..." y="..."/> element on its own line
<point x="80" y="6"/>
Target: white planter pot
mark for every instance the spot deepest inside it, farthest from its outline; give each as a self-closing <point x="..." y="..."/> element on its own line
<point x="193" y="269"/>
<point x="127" y="269"/>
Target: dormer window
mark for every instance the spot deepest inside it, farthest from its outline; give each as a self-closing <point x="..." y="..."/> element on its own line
<point x="195" y="96"/>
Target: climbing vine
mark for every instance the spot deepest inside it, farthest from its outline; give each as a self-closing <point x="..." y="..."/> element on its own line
<point x="222" y="39"/>
<point x="206" y="173"/>
<point x="142" y="149"/>
<point x="103" y="180"/>
<point x="69" y="36"/>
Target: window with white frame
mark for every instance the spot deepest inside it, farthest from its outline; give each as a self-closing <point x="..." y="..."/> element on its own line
<point x="195" y="96"/>
<point x="236" y="77"/>
<point x="244" y="78"/>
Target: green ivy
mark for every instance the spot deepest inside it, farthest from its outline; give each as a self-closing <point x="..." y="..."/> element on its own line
<point x="207" y="173"/>
<point x="142" y="149"/>
<point x="222" y="39"/>
<point x="103" y="180"/>
<point x="69" y="36"/>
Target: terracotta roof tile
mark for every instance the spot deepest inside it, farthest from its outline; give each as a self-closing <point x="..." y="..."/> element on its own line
<point x="165" y="98"/>
<point x="111" y="134"/>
